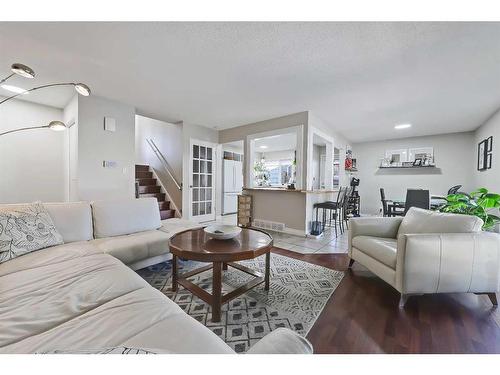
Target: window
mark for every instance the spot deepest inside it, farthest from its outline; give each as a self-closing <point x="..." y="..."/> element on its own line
<point x="278" y="172"/>
<point x="275" y="158"/>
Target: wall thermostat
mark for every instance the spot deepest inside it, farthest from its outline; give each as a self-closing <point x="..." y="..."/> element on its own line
<point x="109" y="124"/>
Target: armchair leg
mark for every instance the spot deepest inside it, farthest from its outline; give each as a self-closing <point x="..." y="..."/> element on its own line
<point x="351" y="262"/>
<point x="403" y="300"/>
<point x="493" y="298"/>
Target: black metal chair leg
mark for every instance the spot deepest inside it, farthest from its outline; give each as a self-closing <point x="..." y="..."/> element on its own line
<point x="335" y="226"/>
<point x="341" y="222"/>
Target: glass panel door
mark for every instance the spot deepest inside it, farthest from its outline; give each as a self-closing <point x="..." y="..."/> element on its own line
<point x="202" y="181"/>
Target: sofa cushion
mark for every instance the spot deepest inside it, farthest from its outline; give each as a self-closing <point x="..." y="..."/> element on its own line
<point x="175" y="225"/>
<point x="24" y="229"/>
<point x="87" y="301"/>
<point x="382" y="249"/>
<point x="135" y="247"/>
<point x="73" y="220"/>
<point x="418" y="220"/>
<point x="125" y="216"/>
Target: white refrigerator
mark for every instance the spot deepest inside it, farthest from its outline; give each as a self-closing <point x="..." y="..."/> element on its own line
<point x="233" y="185"/>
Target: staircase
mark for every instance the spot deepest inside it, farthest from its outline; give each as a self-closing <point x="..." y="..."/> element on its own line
<point x="149" y="187"/>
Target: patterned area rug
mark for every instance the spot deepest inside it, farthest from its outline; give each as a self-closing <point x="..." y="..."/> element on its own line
<point x="298" y="294"/>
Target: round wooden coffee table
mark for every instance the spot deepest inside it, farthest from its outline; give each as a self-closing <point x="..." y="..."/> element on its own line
<point x="196" y="245"/>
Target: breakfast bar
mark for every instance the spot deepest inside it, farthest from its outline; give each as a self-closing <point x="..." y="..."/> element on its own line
<point x="289" y="210"/>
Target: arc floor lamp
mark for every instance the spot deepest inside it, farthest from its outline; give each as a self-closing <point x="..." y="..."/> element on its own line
<point x="26" y="72"/>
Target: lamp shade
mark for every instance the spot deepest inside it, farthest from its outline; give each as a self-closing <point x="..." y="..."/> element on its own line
<point x="82" y="89"/>
<point x="22" y="70"/>
<point x="57" y="126"/>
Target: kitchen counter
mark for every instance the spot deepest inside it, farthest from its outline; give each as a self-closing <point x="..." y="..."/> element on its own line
<point x="295" y="211"/>
<point x="292" y="190"/>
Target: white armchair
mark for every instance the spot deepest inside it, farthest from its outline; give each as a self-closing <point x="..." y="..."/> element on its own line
<point x="428" y="252"/>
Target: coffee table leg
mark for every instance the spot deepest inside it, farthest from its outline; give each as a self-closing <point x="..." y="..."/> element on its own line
<point x="174" y="273"/>
<point x="216" y="291"/>
<point x="268" y="271"/>
<point x="224" y="266"/>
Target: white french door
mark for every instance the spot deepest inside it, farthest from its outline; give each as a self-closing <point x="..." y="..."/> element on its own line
<point x="202" y="181"/>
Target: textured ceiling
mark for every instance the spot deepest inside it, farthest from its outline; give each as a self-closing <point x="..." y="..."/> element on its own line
<point x="360" y="78"/>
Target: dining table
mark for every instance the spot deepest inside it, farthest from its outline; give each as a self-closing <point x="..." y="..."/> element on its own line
<point x="396" y="206"/>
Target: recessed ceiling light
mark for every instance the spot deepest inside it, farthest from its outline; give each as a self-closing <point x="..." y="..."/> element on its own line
<point x="402" y="126"/>
<point x="263" y="146"/>
<point x="17" y="90"/>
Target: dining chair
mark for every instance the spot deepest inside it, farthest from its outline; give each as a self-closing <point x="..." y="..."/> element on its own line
<point x="347" y="207"/>
<point x="454" y="189"/>
<point x="417" y="198"/>
<point x="385" y="206"/>
<point x="388" y="206"/>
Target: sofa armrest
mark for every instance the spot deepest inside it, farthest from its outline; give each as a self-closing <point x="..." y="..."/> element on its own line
<point x="282" y="341"/>
<point x="373" y="226"/>
<point x="448" y="263"/>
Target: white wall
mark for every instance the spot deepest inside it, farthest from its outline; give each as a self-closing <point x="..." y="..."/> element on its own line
<point x="96" y="145"/>
<point x="489" y="178"/>
<point x="241" y="133"/>
<point x="70" y="115"/>
<point x="316" y="164"/>
<point x="31" y="162"/>
<point x="454" y="158"/>
<point x="339" y="141"/>
<point x="168" y="139"/>
<point x="276" y="155"/>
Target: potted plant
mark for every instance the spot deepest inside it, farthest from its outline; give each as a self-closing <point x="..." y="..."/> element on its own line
<point x="480" y="203"/>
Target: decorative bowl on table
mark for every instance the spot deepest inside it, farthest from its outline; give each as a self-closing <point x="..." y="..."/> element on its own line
<point x="221" y="231"/>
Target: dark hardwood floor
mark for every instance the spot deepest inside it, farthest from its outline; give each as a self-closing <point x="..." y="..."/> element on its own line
<point x="362" y="316"/>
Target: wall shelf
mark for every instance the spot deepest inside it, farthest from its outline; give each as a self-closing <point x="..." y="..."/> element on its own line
<point x="411" y="167"/>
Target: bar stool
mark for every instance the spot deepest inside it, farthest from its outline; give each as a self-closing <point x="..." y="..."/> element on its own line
<point x="333" y="209"/>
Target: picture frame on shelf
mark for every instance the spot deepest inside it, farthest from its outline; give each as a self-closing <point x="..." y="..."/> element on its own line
<point x="420" y="153"/>
<point x="397" y="157"/>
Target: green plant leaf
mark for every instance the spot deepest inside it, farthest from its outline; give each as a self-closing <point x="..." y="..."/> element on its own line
<point x="479" y="192"/>
<point x="489" y="200"/>
<point x="457" y="198"/>
<point x="489" y="223"/>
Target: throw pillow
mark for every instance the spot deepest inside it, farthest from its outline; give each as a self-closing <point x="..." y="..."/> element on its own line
<point x="26" y="229"/>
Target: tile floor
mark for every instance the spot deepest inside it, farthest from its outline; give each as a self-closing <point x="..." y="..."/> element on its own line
<point x="326" y="244"/>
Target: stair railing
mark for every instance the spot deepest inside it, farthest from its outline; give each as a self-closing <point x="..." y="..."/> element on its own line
<point x="164" y="162"/>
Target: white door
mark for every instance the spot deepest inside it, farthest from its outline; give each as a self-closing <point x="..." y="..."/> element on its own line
<point x="202" y="181"/>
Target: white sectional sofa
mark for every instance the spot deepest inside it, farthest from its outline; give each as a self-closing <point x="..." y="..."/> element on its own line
<point x="83" y="295"/>
<point x="130" y="230"/>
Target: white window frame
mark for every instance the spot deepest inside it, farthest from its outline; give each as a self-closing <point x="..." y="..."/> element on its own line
<point x="250" y="151"/>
